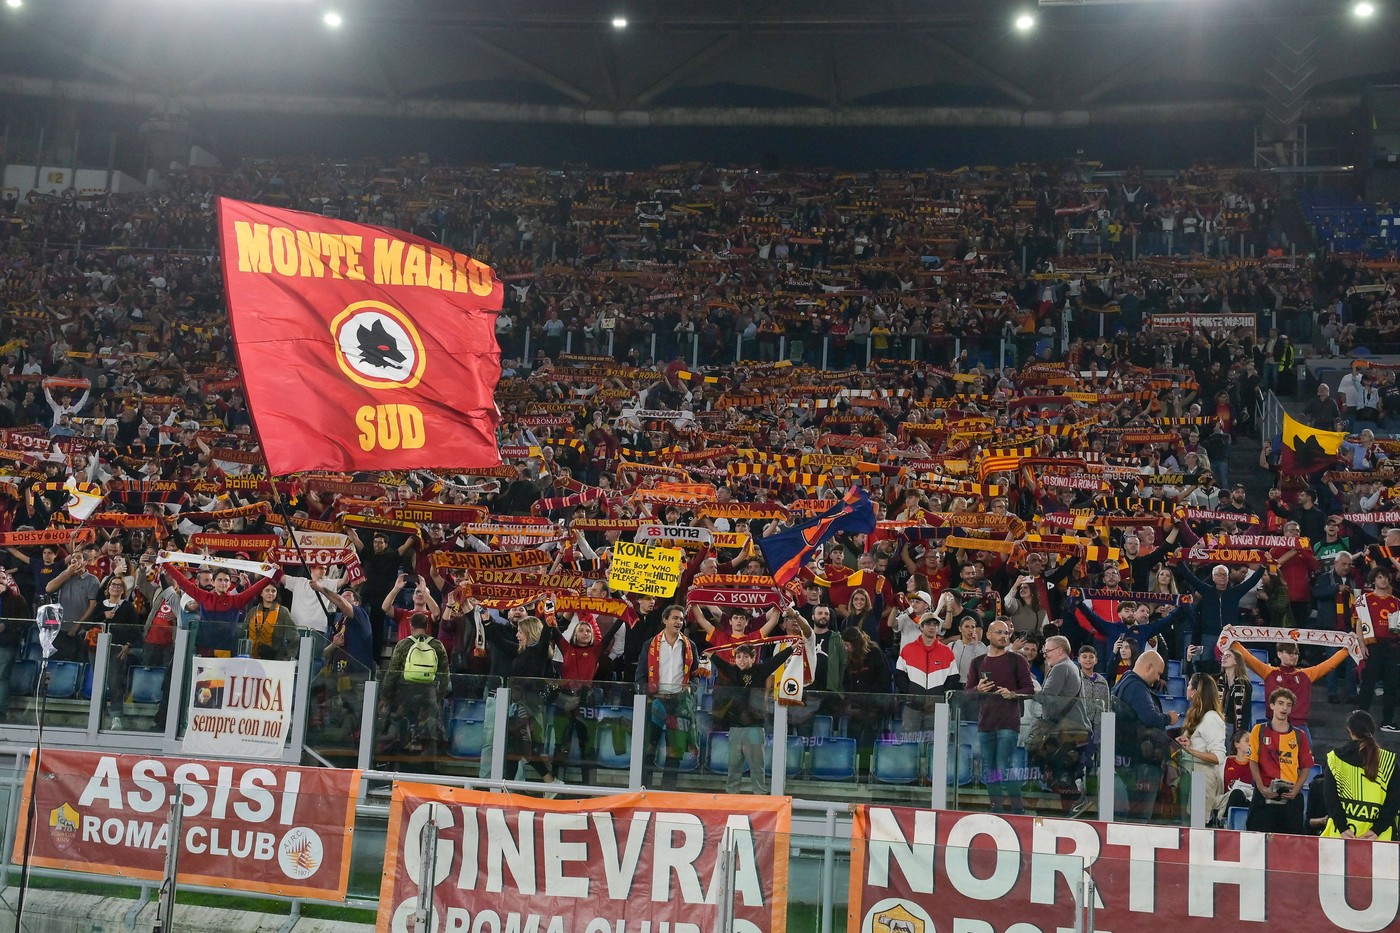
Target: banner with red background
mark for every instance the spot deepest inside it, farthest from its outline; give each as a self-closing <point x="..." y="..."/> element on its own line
<point x="605" y="864"/>
<point x="985" y="873"/>
<point x="268" y="828"/>
<point x="361" y="348"/>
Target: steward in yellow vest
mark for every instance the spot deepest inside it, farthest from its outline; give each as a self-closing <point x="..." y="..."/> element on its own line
<point x="1359" y="785"/>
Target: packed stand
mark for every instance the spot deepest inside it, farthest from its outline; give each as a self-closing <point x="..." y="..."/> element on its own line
<point x="1053" y="539"/>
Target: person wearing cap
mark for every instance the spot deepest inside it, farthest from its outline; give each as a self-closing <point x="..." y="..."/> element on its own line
<point x="925" y="670"/>
<point x="906" y="624"/>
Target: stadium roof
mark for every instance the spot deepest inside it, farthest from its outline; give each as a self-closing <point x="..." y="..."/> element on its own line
<point x="721" y="62"/>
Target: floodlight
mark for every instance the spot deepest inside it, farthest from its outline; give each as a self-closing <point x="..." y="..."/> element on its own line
<point x="1364" y="10"/>
<point x="619" y="22"/>
<point x="332" y="19"/>
<point x="14" y="4"/>
<point x="1025" y="22"/>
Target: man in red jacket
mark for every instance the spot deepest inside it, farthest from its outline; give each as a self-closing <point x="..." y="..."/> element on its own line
<point x="926" y="669"/>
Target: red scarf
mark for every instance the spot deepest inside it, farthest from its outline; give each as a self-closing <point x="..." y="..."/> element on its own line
<point x="654" y="662"/>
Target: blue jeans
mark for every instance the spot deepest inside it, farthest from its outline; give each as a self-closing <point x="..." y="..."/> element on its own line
<point x="998" y="759"/>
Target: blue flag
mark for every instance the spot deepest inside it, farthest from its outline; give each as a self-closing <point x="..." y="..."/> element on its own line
<point x="788" y="550"/>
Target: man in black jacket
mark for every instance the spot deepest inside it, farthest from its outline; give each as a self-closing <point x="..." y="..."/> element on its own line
<point x="741" y="706"/>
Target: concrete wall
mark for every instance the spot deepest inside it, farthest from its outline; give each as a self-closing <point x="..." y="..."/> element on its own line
<point x="67" y="912"/>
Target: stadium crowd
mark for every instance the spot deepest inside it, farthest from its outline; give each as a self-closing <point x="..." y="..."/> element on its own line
<point x="1037" y="379"/>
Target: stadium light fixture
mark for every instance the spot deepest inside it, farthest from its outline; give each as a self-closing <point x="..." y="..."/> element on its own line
<point x="619" y="22"/>
<point x="14" y="4"/>
<point x="332" y="19"/>
<point x="1025" y="22"/>
<point x="1364" y="10"/>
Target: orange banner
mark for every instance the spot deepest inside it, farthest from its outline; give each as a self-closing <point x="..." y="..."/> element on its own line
<point x="536" y="864"/>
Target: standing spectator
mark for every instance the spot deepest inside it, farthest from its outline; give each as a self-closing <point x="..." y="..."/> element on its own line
<point x="220" y="609"/>
<point x="350" y="648"/>
<point x="1141" y="732"/>
<point x="867" y="688"/>
<point x="1233" y="686"/>
<point x="118" y="614"/>
<point x="1217" y="605"/>
<point x="410" y="713"/>
<point x="741" y="705"/>
<point x="666" y="670"/>
<point x="925" y="671"/>
<point x="77" y="592"/>
<point x="1288" y="675"/>
<point x="1062" y="730"/>
<point x="14" y="627"/>
<point x="1202" y="739"/>
<point x="968" y="647"/>
<point x="1360" y="786"/>
<point x="1279" y="758"/>
<point x="1380" y="609"/>
<point x="1003" y="679"/>
<point x="268" y="627"/>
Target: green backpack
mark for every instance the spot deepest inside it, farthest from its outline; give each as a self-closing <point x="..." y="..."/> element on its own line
<point x="420" y="665"/>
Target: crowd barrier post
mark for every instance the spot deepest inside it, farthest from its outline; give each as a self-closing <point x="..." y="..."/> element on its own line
<point x="938" y="771"/>
<point x="826" y="346"/>
<point x="738" y="346"/>
<point x="302" y="697"/>
<point x="828" y="870"/>
<point x="780" y="735"/>
<point x="724" y="916"/>
<point x="636" y="767"/>
<point x="694" y="352"/>
<point x="525" y="354"/>
<point x="913" y="349"/>
<point x="1108" y="750"/>
<point x="1084" y="903"/>
<point x="165" y="905"/>
<point x="1241" y="245"/>
<point x="782" y="346"/>
<point x="613" y="333"/>
<point x="653" y="345"/>
<point x="1001" y="355"/>
<point x="38" y="166"/>
<point x="427" y="875"/>
<point x="11" y="818"/>
<point x="1135" y="247"/>
<point x="178" y="666"/>
<point x="957" y="347"/>
<point x="869" y="350"/>
<point x="498" y="734"/>
<point x="99" y="684"/>
<point x="367" y="710"/>
<point x="568" y="341"/>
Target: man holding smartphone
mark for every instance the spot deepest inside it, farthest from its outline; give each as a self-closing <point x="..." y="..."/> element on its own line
<point x="1001" y="677"/>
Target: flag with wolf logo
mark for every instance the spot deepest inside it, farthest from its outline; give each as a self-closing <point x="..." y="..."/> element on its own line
<point x="360" y="347"/>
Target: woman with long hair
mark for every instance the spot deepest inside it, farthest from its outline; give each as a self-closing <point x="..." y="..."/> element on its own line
<point x="1125" y="655"/>
<point x="1164" y="582"/>
<point x="1359" y="785"/>
<point x="529" y="681"/>
<point x="867" y="685"/>
<point x="1236" y="693"/>
<point x="859" y="612"/>
<point x="1022" y="602"/>
<point x="117" y="614"/>
<point x="1202" y="741"/>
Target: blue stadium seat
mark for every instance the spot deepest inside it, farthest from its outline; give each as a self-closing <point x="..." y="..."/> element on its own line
<point x="24" y="677"/>
<point x="717" y="762"/>
<point x="690" y="761"/>
<point x="896" y="762"/>
<point x="463" y="708"/>
<point x="793" y="766"/>
<point x="147" y="684"/>
<point x="1235" y="817"/>
<point x="962" y="769"/>
<point x="823" y="726"/>
<point x="64" y="678"/>
<point x="465" y="738"/>
<point x="85" y="691"/>
<point x="1176" y="686"/>
<point x="1179" y="704"/>
<point x="1258" y="709"/>
<point x="834" y="759"/>
<point x="1173" y="668"/>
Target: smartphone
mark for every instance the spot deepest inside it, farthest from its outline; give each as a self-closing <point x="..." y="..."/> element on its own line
<point x="986" y="676"/>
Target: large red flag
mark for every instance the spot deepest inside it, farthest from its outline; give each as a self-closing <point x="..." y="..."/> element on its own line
<point x="362" y="348"/>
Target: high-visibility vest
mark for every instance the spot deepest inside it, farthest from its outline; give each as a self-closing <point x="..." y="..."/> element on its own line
<point x="1361" y="797"/>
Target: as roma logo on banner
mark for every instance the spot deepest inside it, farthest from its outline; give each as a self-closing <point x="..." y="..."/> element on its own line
<point x="360" y="347"/>
<point x="628" y="862"/>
